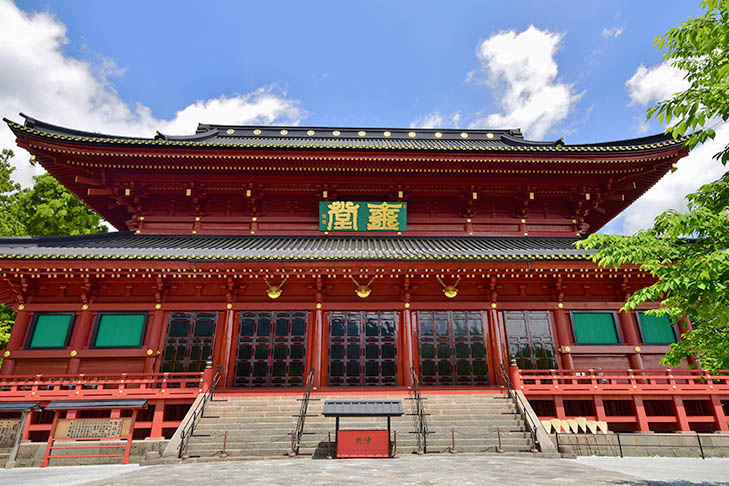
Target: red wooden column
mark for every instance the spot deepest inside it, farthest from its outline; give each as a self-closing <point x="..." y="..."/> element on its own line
<point x="79" y="338"/>
<point x="407" y="345"/>
<point x="681" y="418"/>
<point x="629" y="329"/>
<point x="157" y="419"/>
<point x="720" y="418"/>
<point x="684" y="326"/>
<point x="316" y="362"/>
<point x="226" y="353"/>
<point x="155" y="340"/>
<point x="496" y="340"/>
<point x="564" y="337"/>
<point x="599" y="408"/>
<point x="17" y="338"/>
<point x="642" y="419"/>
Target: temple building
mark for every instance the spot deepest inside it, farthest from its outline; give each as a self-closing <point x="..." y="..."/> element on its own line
<point x="372" y="259"/>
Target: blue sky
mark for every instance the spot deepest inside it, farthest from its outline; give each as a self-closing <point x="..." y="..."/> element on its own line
<point x="557" y="68"/>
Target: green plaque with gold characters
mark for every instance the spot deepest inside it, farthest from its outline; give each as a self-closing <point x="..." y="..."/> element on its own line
<point x="362" y="216"/>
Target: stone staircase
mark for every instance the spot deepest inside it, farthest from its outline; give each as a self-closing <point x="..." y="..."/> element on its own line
<point x="260" y="426"/>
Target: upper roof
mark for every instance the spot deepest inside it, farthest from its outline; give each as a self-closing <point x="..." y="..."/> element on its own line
<point x="332" y="138"/>
<point x="128" y="246"/>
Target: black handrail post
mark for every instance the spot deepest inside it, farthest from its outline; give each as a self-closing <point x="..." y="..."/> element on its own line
<point x="620" y="445"/>
<point x="422" y="427"/>
<point x="701" y="447"/>
<point x="520" y="405"/>
<point x="303" y="410"/>
<point x="189" y="428"/>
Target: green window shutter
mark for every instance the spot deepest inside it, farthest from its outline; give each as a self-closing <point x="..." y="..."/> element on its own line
<point x="120" y="330"/>
<point x="656" y="329"/>
<point x="595" y="328"/>
<point x="50" y="331"/>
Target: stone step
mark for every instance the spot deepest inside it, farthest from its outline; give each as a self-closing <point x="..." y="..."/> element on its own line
<point x="260" y="426"/>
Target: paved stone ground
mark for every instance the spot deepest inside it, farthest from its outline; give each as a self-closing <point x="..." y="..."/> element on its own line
<point x="408" y="470"/>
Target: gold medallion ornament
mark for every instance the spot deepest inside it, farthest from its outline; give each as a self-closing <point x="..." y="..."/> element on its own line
<point x="6" y="354"/>
<point x="449" y="291"/>
<point x="362" y="291"/>
<point x="73" y="353"/>
<point x="275" y="291"/>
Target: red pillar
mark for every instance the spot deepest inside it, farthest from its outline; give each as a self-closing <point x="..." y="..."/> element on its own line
<point x="564" y="337"/>
<point x="640" y="414"/>
<point x="79" y="339"/>
<point x="600" y="409"/>
<point x="407" y="345"/>
<point x="154" y="340"/>
<point x="629" y="329"/>
<point x="17" y="340"/>
<point x="498" y="341"/>
<point x="684" y="326"/>
<point x="681" y="418"/>
<point x="559" y="407"/>
<point x="157" y="419"/>
<point x="316" y="363"/>
<point x="720" y="418"/>
<point x="227" y="346"/>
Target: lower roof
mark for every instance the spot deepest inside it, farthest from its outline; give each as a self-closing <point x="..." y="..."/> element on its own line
<point x="128" y="246"/>
<point x="95" y="404"/>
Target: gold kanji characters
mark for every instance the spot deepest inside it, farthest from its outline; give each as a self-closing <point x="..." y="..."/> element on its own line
<point x="383" y="216"/>
<point x="342" y="216"/>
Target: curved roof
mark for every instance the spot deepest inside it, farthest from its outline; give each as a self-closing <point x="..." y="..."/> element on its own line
<point x="333" y="138"/>
<point x="128" y="246"/>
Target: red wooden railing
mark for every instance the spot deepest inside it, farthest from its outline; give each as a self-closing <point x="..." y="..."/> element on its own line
<point x="622" y="382"/>
<point x="102" y="387"/>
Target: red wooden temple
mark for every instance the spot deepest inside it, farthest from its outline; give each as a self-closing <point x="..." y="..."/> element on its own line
<point x="357" y="253"/>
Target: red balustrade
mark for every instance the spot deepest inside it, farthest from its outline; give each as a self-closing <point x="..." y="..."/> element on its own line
<point x="15" y="388"/>
<point x="589" y="381"/>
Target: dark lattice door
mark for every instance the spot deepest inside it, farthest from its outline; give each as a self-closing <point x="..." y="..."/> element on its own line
<point x="189" y="341"/>
<point x="452" y="348"/>
<point x="530" y="339"/>
<point x="271" y="349"/>
<point x="362" y="348"/>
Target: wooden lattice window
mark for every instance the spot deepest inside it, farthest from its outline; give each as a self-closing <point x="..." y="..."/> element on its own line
<point x="452" y="348"/>
<point x="189" y="342"/>
<point x="271" y="349"/>
<point x="363" y="348"/>
<point x="530" y="339"/>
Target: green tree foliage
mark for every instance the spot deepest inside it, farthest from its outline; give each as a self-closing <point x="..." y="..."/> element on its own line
<point x="10" y="223"/>
<point x="688" y="252"/>
<point x="699" y="47"/>
<point x="48" y="208"/>
<point x="45" y="209"/>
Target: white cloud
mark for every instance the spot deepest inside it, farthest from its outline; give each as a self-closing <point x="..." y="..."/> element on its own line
<point x="613" y="32"/>
<point x="39" y="79"/>
<point x="694" y="170"/>
<point x="436" y="120"/>
<point x="522" y="72"/>
<point x="648" y="85"/>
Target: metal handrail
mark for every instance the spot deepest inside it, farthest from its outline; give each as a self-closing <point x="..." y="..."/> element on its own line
<point x="420" y="416"/>
<point x="521" y="407"/>
<point x="299" y="431"/>
<point x="189" y="428"/>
